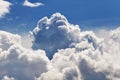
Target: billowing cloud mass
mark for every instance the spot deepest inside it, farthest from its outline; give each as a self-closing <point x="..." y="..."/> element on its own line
<point x="7" y="78"/>
<point x="29" y="4"/>
<point x="73" y="54"/>
<point x="4" y="7"/>
<point x="54" y="33"/>
<point x="18" y="62"/>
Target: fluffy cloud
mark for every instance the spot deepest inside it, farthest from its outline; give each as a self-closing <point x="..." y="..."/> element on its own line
<point x="86" y="62"/>
<point x="4" y="7"/>
<point x="54" y="33"/>
<point x="7" y="78"/>
<point x="77" y="55"/>
<point x="7" y="39"/>
<point x="18" y="62"/>
<point x="29" y="4"/>
<point x="48" y="76"/>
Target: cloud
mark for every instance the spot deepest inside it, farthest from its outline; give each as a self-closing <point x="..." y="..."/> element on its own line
<point x="49" y="74"/>
<point x="7" y="39"/>
<point x="76" y="54"/>
<point x="84" y="61"/>
<point x="7" y="78"/>
<point x="54" y="33"/>
<point x="4" y="7"/>
<point x="26" y="41"/>
<point x="19" y="62"/>
<point x="29" y="4"/>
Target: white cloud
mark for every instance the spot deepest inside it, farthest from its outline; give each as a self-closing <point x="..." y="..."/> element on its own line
<point x="26" y="41"/>
<point x="19" y="62"/>
<point x="82" y="56"/>
<point x="7" y="39"/>
<point x="48" y="76"/>
<point x="55" y="30"/>
<point x="85" y="62"/>
<point x="29" y="4"/>
<point x="4" y="7"/>
<point x="77" y="55"/>
<point x="7" y="78"/>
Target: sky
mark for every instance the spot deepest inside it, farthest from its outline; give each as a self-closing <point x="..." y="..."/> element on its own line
<point x="89" y="14"/>
<point x="59" y="40"/>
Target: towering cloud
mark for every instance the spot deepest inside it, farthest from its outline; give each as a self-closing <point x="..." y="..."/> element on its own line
<point x="4" y="7"/>
<point x="74" y="54"/>
<point x="77" y="55"/>
<point x="54" y="33"/>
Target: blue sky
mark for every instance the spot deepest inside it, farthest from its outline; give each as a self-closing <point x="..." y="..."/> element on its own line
<point x="89" y="14"/>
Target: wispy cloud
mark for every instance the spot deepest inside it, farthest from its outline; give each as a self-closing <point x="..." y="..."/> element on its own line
<point x="29" y="4"/>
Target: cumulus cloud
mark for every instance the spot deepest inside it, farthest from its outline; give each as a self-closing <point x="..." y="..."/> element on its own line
<point x="26" y="40"/>
<point x="84" y="61"/>
<point x="54" y="33"/>
<point x="19" y="62"/>
<point x="7" y="78"/>
<point x="74" y="54"/>
<point x="29" y="4"/>
<point x="48" y="76"/>
<point x="77" y="55"/>
<point x="4" y="7"/>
